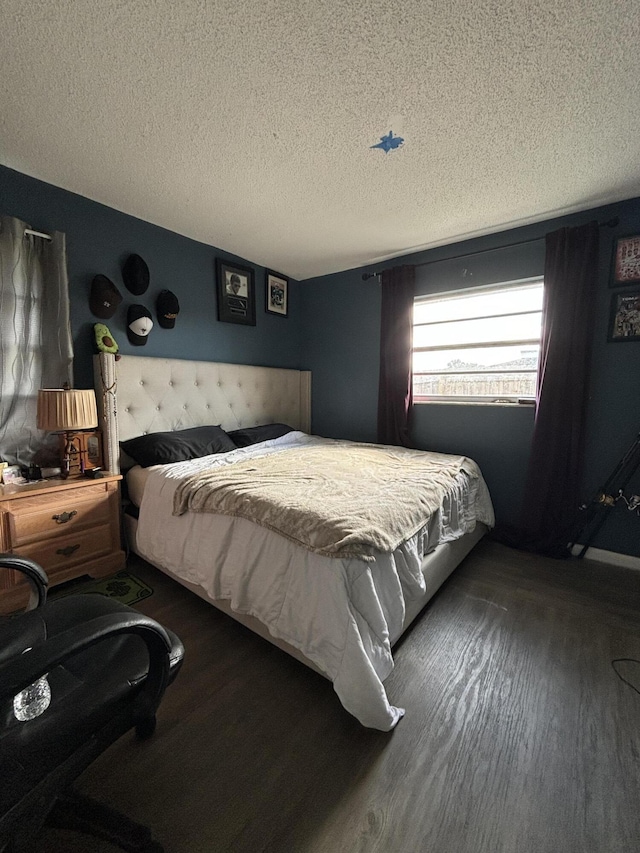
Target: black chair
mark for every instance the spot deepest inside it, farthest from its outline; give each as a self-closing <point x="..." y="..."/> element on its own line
<point x="108" y="667"/>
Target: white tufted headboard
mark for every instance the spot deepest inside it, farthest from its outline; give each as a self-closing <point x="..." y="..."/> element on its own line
<point x="138" y="395"/>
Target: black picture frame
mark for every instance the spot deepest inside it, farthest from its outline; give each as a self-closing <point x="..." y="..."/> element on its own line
<point x="624" y="320"/>
<point x="236" y="293"/>
<point x="625" y="261"/>
<point x="276" y="293"/>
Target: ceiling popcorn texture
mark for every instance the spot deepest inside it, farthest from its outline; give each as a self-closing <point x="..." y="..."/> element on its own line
<point x="252" y="126"/>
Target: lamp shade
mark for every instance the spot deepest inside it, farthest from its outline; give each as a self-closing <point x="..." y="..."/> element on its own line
<point x="60" y="409"/>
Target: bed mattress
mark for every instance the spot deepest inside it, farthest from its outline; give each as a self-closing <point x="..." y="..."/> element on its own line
<point x="136" y="478"/>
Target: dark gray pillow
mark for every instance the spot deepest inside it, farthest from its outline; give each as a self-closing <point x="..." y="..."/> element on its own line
<point x="252" y="435"/>
<point x="161" y="448"/>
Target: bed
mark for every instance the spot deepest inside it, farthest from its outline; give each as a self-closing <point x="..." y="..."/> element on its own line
<point x="335" y="609"/>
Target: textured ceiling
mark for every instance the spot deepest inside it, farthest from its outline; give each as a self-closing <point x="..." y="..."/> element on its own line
<point x="248" y="124"/>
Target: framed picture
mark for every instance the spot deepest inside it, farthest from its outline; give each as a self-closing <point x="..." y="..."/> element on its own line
<point x="624" y="324"/>
<point x="625" y="268"/>
<point x="236" y="293"/>
<point x="277" y="293"/>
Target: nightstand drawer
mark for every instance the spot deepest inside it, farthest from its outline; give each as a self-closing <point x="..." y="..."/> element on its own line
<point x="60" y="552"/>
<point x="59" y="518"/>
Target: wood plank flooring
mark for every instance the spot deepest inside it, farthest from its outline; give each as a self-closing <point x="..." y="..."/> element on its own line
<point x="518" y="736"/>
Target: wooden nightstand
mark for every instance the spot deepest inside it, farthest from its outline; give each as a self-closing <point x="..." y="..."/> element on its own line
<point x="70" y="527"/>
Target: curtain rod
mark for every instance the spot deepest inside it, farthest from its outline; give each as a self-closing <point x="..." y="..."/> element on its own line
<point x="38" y="234"/>
<point x="610" y="223"/>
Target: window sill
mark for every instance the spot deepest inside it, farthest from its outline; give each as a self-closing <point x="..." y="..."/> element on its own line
<point x="509" y="404"/>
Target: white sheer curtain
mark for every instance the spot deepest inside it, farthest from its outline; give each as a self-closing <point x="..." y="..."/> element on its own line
<point x="36" y="348"/>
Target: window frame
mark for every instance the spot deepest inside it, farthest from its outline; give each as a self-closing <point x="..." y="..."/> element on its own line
<point x="507" y="399"/>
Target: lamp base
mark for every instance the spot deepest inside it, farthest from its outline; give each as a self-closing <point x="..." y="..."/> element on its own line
<point x="70" y="450"/>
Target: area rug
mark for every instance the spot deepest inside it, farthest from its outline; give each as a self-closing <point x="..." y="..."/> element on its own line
<point x="123" y="586"/>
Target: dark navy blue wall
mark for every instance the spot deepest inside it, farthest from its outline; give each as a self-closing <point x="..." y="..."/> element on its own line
<point x="99" y="239"/>
<point x="341" y="332"/>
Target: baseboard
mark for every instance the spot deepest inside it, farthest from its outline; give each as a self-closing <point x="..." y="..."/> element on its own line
<point x="610" y="557"/>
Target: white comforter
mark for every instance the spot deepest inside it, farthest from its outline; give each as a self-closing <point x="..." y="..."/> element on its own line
<point x="341" y="614"/>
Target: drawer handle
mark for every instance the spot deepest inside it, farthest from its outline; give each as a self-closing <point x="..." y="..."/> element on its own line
<point x="68" y="551"/>
<point x="63" y="517"/>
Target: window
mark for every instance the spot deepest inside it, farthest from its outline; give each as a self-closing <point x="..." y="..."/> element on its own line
<point x="478" y="345"/>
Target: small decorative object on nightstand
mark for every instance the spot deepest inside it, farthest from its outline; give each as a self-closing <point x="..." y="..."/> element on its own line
<point x="85" y="451"/>
<point x="66" y="410"/>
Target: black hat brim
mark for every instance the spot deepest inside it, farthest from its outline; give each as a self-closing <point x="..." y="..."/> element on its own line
<point x="136" y="340"/>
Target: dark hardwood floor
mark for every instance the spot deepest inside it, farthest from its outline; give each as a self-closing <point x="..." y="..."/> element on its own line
<point x="519" y="737"/>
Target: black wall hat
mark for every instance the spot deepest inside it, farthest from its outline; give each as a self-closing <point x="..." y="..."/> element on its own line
<point x="139" y="324"/>
<point x="135" y="274"/>
<point x="104" y="298"/>
<point x="168" y="308"/>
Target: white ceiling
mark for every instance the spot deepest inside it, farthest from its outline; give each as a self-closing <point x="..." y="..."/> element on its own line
<point x="248" y="125"/>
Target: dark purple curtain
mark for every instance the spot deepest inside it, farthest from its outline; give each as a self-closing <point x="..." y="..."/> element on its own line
<point x="555" y="466"/>
<point x="395" y="391"/>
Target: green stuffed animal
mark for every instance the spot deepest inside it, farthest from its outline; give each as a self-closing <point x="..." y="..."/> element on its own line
<point x="104" y="339"/>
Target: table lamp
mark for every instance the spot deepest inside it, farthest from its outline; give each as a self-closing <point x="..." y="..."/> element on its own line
<point x="67" y="410"/>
